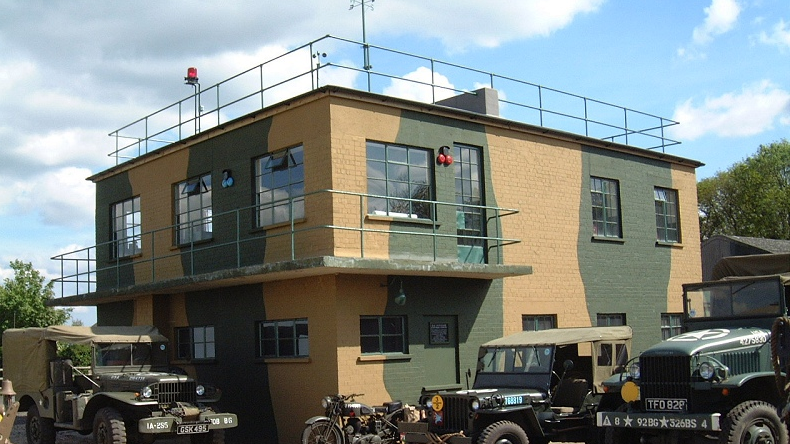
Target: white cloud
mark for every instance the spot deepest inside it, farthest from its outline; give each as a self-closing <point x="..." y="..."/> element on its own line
<point x="720" y="17"/>
<point x="751" y="111"/>
<point x="61" y="197"/>
<point x="417" y="86"/>
<point x="779" y="36"/>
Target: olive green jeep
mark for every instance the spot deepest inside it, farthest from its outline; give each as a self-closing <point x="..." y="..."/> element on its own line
<point x="128" y="395"/>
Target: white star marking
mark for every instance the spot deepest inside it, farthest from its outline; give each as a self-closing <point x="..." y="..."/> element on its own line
<point x="627" y="421"/>
<point x="664" y="421"/>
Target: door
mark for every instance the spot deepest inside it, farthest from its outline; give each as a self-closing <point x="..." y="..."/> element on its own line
<point x="441" y="351"/>
<point x="470" y="217"/>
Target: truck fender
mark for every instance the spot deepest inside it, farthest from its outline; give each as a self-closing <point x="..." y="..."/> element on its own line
<point x="526" y="417"/>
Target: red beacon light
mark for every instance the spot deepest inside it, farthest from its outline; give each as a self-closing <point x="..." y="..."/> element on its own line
<point x="444" y="158"/>
<point x="192" y="75"/>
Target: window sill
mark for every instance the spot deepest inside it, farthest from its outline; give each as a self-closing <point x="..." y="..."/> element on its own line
<point x="404" y="219"/>
<point x="382" y="358"/>
<point x="193" y="362"/>
<point x="614" y="240"/>
<point x="299" y="360"/>
<point x="191" y="244"/>
<point x="669" y="244"/>
<point x="277" y="225"/>
<point x="128" y="258"/>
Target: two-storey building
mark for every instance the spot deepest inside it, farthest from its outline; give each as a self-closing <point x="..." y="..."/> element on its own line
<point x="346" y="241"/>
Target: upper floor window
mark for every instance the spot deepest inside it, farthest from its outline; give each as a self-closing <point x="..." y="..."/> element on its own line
<point x="397" y="173"/>
<point x="383" y="334"/>
<point x="126" y="228"/>
<point x="279" y="179"/>
<point x="667" y="227"/>
<point x="670" y="325"/>
<point x="193" y="210"/>
<point x="283" y="338"/>
<point x="605" y="195"/>
<point x="538" y="322"/>
<point x="196" y="342"/>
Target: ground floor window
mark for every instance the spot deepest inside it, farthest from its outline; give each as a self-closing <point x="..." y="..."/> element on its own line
<point x="538" y="322"/>
<point x="670" y="325"/>
<point x="610" y="319"/>
<point x="383" y="334"/>
<point x="195" y="343"/>
<point x="286" y="338"/>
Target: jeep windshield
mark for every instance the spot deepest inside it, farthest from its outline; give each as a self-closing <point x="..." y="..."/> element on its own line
<point x="141" y="355"/>
<point x="728" y="300"/>
<point x="527" y="367"/>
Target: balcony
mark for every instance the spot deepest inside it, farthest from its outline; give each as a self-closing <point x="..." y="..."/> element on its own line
<point x="336" y="236"/>
<point x="332" y="60"/>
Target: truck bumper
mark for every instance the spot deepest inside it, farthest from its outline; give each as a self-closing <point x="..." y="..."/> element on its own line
<point x="708" y="422"/>
<point x="206" y="422"/>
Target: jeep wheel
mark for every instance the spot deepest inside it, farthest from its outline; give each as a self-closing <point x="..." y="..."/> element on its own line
<point x="212" y="437"/>
<point x="108" y="427"/>
<point x="503" y="432"/>
<point x="39" y="430"/>
<point x="753" y="422"/>
<point x="322" y="432"/>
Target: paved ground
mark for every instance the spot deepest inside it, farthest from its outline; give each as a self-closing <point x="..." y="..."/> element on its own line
<point x="18" y="435"/>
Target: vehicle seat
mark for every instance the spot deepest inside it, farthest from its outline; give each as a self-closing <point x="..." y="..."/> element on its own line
<point x="569" y="395"/>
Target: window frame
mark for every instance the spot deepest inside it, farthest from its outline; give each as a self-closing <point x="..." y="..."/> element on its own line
<point x="609" y="317"/>
<point x="537" y="320"/>
<point x="667" y="326"/>
<point x="666" y="210"/>
<point x="383" y="184"/>
<point x="294" y="339"/>
<point x="120" y="235"/>
<point x="283" y="171"/>
<point x="185" y="230"/>
<point x="381" y="335"/>
<point x="191" y="344"/>
<point x="608" y="206"/>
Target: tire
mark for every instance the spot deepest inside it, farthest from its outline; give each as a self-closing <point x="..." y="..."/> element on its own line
<point x="212" y="437"/>
<point x="753" y="422"/>
<point x="503" y="432"/>
<point x="108" y="427"/>
<point x="39" y="430"/>
<point x="322" y="432"/>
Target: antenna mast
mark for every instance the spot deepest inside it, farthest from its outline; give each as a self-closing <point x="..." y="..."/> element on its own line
<point x="364" y="4"/>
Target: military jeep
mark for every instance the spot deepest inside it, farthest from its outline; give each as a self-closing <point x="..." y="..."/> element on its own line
<point x="530" y="387"/>
<point x="129" y="394"/>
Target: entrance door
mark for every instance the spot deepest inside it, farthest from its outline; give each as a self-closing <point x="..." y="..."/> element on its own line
<point x="470" y="217"/>
<point x="441" y="351"/>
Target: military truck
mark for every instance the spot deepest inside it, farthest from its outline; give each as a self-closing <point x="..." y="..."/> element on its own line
<point x="530" y="387"/>
<point x="129" y="394"/>
<point x="716" y="379"/>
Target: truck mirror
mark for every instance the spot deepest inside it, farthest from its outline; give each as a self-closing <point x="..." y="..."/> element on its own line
<point x="567" y="365"/>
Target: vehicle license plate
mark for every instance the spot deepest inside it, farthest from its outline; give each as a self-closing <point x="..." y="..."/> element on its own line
<point x="188" y="429"/>
<point x="666" y="404"/>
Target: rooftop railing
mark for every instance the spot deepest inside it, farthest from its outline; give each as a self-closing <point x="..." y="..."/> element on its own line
<point x="235" y="244"/>
<point x="338" y="61"/>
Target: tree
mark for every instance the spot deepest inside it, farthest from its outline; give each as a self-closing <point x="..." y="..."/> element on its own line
<point x="23" y="300"/>
<point x="752" y="198"/>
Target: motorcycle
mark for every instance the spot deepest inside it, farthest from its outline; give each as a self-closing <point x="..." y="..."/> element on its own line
<point x="349" y="422"/>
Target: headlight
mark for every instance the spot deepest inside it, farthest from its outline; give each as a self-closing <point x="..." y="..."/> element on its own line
<point x="200" y="390"/>
<point x="706" y="370"/>
<point x="429" y="404"/>
<point x="146" y="392"/>
<point x="475" y="404"/>
<point x="326" y="402"/>
<point x="634" y="370"/>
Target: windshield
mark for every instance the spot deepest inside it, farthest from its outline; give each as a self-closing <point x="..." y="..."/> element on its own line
<point x="730" y="299"/>
<point x="140" y="354"/>
<point x="530" y="359"/>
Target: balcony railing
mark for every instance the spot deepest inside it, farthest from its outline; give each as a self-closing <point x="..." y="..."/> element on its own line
<point x="332" y="60"/>
<point x="350" y="232"/>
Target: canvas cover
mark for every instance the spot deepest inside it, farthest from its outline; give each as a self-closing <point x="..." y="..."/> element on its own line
<point x="28" y="351"/>
<point x="753" y="265"/>
<point x="563" y="336"/>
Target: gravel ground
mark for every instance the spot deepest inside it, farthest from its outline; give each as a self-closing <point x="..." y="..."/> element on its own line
<point x="68" y="437"/>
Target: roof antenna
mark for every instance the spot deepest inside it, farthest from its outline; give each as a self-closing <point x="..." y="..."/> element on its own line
<point x="366" y="49"/>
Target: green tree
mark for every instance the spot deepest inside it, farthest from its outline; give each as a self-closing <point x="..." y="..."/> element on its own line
<point x="752" y="198"/>
<point x="24" y="298"/>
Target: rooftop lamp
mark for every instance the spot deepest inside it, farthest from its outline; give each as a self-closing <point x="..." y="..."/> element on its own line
<point x="192" y="76"/>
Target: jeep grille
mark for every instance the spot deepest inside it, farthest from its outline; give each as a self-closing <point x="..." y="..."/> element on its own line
<point x="456" y="414"/>
<point x="666" y="377"/>
<point x="169" y="392"/>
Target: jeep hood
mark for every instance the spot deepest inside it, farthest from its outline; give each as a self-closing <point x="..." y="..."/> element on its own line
<point x="710" y="340"/>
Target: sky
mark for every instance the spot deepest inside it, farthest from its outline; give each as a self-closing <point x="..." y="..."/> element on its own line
<point x="74" y="71"/>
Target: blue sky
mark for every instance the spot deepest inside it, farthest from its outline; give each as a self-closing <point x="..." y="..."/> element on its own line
<point x="75" y="71"/>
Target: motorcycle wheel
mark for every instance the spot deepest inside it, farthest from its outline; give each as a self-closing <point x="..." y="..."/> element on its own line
<point x="322" y="432"/>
